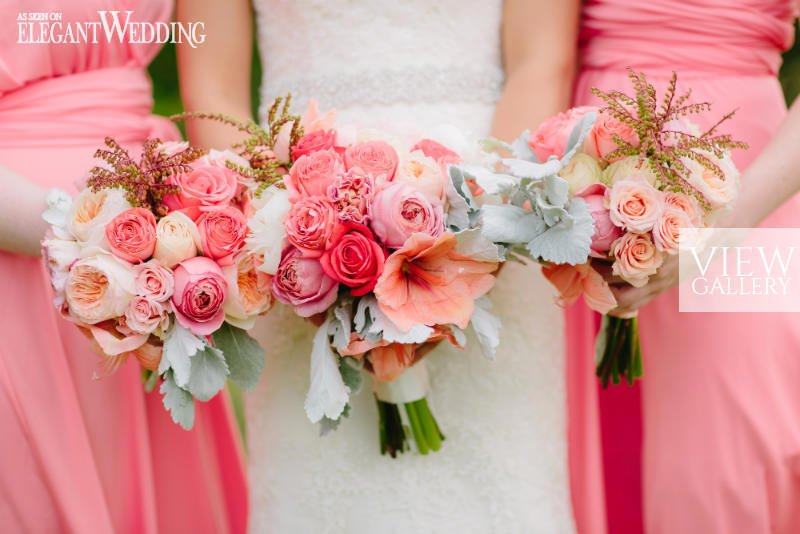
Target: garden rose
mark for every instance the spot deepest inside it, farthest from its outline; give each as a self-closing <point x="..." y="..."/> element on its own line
<point x="354" y="259"/>
<point x="400" y="210"/>
<point x="314" y="142"/>
<point x="200" y="290"/>
<point x="90" y="212"/>
<point x="351" y="194"/>
<point x="605" y="231"/>
<point x="177" y="239"/>
<point x="248" y="291"/>
<point x="144" y="315"/>
<point x="635" y="205"/>
<point x="425" y="174"/>
<point x="667" y="229"/>
<point x="600" y="141"/>
<point x="206" y="185"/>
<point x="636" y="258"/>
<point x="581" y="171"/>
<point x="718" y="193"/>
<point x="685" y="203"/>
<point x="550" y="138"/>
<point x="267" y="231"/>
<point x="153" y="281"/>
<point x="99" y="288"/>
<point x="312" y="174"/>
<point x="302" y="283"/>
<point x="131" y="235"/>
<point x="377" y="158"/>
<point x="222" y="233"/>
<point x="310" y="224"/>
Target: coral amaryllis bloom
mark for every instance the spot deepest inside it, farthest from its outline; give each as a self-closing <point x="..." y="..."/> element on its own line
<point x="572" y="280"/>
<point x="391" y="361"/>
<point x="429" y="282"/>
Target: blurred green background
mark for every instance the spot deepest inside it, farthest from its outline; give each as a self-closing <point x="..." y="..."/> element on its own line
<point x="164" y="72"/>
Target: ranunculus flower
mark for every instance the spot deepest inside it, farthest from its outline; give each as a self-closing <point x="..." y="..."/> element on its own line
<point x="377" y="158"/>
<point x="58" y="255"/>
<point x="600" y="141"/>
<point x="581" y="171"/>
<point x="667" y="229"/>
<point x="312" y="174"/>
<point x="425" y="174"/>
<point x="310" y="224"/>
<point x="206" y="185"/>
<point x="90" y="212"/>
<point x="429" y="282"/>
<point x="131" y="235"/>
<point x="550" y="138"/>
<point x="719" y="193"/>
<point x="153" y="281"/>
<point x="636" y="258"/>
<point x="605" y="231"/>
<point x="222" y="233"/>
<point x="635" y="205"/>
<point x="177" y="239"/>
<point x="400" y="210"/>
<point x="200" y="290"/>
<point x="437" y="151"/>
<point x="267" y="231"/>
<point x="144" y="315"/>
<point x="351" y="194"/>
<point x="627" y="168"/>
<point x="302" y="283"/>
<point x="248" y="291"/>
<point x="314" y="142"/>
<point x="573" y="280"/>
<point x="99" y="288"/>
<point x="354" y="258"/>
<point x="685" y="203"/>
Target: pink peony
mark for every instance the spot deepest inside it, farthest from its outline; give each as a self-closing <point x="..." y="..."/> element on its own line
<point x="131" y="235"/>
<point x="354" y="259"/>
<point x="600" y="141"/>
<point x="400" y="210"/>
<point x="312" y="174"/>
<point x="635" y="204"/>
<point x="310" y="224"/>
<point x="605" y="231"/>
<point x="550" y="138"/>
<point x="636" y="258"/>
<point x="302" y="283"/>
<point x="351" y="194"/>
<point x="222" y="233"/>
<point x="206" y="185"/>
<point x="377" y="158"/>
<point x="153" y="281"/>
<point x="200" y="291"/>
<point x="314" y="142"/>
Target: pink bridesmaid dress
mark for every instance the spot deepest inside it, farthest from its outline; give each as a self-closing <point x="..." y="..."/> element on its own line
<point x="720" y="400"/>
<point x="79" y="455"/>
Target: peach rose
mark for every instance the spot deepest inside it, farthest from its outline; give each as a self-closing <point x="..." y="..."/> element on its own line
<point x="627" y="168"/>
<point x="376" y="158"/>
<point x="685" y="203"/>
<point x="310" y="224"/>
<point x="634" y="204"/>
<point x="248" y="291"/>
<point x="90" y="212"/>
<point x="99" y="288"/>
<point x="222" y="233"/>
<point x="581" y="171"/>
<point x="425" y="174"/>
<point x="600" y="141"/>
<point x="177" y="239"/>
<point x="144" y="315"/>
<point x="667" y="229"/>
<point x="550" y="138"/>
<point x="312" y="174"/>
<point x="400" y="210"/>
<point x="206" y="185"/>
<point x="131" y="235"/>
<point x="719" y="193"/>
<point x="153" y="281"/>
<point x="200" y="290"/>
<point x="636" y="258"/>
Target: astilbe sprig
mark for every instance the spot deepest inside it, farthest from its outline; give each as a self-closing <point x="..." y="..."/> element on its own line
<point x="259" y="147"/>
<point x="664" y="147"/>
<point x="145" y="180"/>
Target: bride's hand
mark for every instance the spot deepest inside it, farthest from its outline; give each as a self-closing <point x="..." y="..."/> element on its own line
<point x="629" y="298"/>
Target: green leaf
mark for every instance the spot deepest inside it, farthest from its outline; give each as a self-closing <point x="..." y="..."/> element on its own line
<point x="208" y="374"/>
<point x="474" y="244"/>
<point x="510" y="224"/>
<point x="243" y="354"/>
<point x="350" y="369"/>
<point x="178" y="402"/>
<point x="179" y="346"/>
<point x="327" y="425"/>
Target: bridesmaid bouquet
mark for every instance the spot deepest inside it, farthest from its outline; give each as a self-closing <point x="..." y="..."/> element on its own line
<point x="149" y="261"/>
<point x="611" y="187"/>
<point x="378" y="244"/>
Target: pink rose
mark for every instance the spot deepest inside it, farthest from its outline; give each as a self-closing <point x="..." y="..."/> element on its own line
<point x="310" y="224"/>
<point x="314" y="142"/>
<point x="685" y="203"/>
<point x="312" y="174"/>
<point x="153" y="281"/>
<point x="206" y="185"/>
<point x="605" y="232"/>
<point x="600" y="141"/>
<point x="667" y="229"/>
<point x="550" y="138"/>
<point x="437" y="151"/>
<point x="222" y="233"/>
<point x="636" y="258"/>
<point x="377" y="158"/>
<point x="131" y="235"/>
<point x="635" y="204"/>
<point x="351" y="194"/>
<point x="144" y="315"/>
<point x="354" y="259"/>
<point x="399" y="211"/>
<point x="302" y="283"/>
<point x="200" y="290"/>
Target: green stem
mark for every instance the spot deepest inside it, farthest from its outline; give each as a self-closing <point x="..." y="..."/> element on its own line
<point x="416" y="428"/>
<point x="429" y="428"/>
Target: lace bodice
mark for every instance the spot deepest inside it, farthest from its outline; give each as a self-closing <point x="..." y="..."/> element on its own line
<point x="408" y="66"/>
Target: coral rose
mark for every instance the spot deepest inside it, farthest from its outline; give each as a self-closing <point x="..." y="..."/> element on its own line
<point x="550" y="138"/>
<point x="377" y="158"/>
<point x="200" y="290"/>
<point x="354" y="259"/>
<point x="600" y="141"/>
<point x="302" y="283"/>
<point x="400" y="210"/>
<point x="310" y="224"/>
<point x="312" y="174"/>
<point x="222" y="233"/>
<point x="634" y="204"/>
<point x="636" y="258"/>
<point x="314" y="142"/>
<point x="206" y="185"/>
<point x="91" y="211"/>
<point x="131" y="235"/>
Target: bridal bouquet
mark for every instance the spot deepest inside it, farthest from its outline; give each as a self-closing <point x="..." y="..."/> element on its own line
<point x="611" y="187"/>
<point x="149" y="261"/>
<point x="378" y="244"/>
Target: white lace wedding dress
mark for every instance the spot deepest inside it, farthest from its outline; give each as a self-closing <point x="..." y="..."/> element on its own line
<point x="408" y="65"/>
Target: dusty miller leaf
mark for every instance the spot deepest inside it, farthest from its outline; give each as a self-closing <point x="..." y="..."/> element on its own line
<point x="243" y="354"/>
<point x="178" y="402"/>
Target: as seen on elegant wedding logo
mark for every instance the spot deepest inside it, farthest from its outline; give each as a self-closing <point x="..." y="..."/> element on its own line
<point x="739" y="270"/>
<point x="52" y="28"/>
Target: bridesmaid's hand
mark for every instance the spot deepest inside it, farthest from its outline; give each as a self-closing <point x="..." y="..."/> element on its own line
<point x="629" y="298"/>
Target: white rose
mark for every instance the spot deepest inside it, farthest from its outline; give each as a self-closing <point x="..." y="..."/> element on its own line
<point x="177" y="239"/>
<point x="267" y="232"/>
<point x="90" y="212"/>
<point x="582" y="170"/>
<point x="424" y="174"/>
<point x="58" y="255"/>
<point x="99" y="288"/>
<point x="720" y="193"/>
<point x="627" y="167"/>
